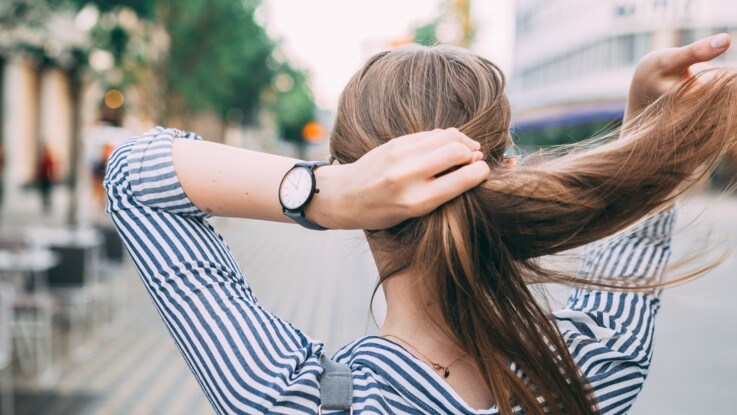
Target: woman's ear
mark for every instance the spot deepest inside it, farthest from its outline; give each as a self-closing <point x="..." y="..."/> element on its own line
<point x="510" y="162"/>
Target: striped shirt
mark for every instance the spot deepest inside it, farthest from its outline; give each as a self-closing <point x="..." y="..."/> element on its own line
<point x="249" y="361"/>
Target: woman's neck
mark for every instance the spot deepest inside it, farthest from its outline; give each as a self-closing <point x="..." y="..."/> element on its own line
<point x="411" y="313"/>
<point x="414" y="318"/>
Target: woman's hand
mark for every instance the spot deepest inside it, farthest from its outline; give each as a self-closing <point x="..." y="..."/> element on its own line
<point x="407" y="177"/>
<point x="661" y="70"/>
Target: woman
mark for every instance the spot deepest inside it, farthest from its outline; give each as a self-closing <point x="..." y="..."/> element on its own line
<point x="455" y="230"/>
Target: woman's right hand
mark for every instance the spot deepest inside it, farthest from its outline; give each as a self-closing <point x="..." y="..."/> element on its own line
<point x="407" y="177"/>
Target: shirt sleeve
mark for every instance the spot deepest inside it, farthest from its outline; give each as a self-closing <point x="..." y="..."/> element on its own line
<point x="610" y="333"/>
<point x="245" y="359"/>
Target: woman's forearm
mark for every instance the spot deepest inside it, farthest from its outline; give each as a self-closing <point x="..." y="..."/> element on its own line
<point x="408" y="177"/>
<point x="234" y="182"/>
<point x="230" y="181"/>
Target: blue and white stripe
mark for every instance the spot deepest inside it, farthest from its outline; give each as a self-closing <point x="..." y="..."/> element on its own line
<point x="249" y="361"/>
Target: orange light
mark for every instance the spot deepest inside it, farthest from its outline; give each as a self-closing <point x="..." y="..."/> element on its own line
<point x="313" y="132"/>
<point x="114" y="99"/>
<point x="399" y="42"/>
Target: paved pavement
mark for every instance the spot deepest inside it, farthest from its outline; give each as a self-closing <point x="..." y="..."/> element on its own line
<point x="322" y="282"/>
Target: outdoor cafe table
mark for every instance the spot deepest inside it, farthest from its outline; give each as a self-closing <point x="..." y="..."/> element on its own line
<point x="27" y="271"/>
<point x="80" y="251"/>
<point x="28" y="264"/>
<point x="87" y="238"/>
<point x="74" y="282"/>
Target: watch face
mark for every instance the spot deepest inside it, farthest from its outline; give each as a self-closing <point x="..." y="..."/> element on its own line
<point x="296" y="188"/>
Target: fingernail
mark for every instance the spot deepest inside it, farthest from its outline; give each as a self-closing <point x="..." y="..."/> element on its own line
<point x="476" y="144"/>
<point x="719" y="41"/>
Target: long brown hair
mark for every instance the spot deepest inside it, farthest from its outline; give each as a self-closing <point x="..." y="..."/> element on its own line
<point x="477" y="252"/>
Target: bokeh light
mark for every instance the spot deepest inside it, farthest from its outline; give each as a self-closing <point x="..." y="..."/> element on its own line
<point x="114" y="99"/>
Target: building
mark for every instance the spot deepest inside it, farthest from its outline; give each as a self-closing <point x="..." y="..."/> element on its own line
<point x="53" y="84"/>
<point x="36" y="91"/>
<point x="575" y="58"/>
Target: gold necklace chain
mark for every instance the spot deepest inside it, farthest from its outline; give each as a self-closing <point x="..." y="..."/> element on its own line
<point x="445" y="370"/>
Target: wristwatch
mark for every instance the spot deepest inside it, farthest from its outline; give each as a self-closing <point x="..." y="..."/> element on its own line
<point x="296" y="190"/>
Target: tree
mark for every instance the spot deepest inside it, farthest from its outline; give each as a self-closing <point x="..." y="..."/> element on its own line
<point x="216" y="57"/>
<point x="452" y="25"/>
<point x="426" y="34"/>
<point x="219" y="59"/>
<point x="294" y="106"/>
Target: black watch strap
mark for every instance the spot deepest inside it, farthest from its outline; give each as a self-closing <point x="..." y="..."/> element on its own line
<point x="300" y="219"/>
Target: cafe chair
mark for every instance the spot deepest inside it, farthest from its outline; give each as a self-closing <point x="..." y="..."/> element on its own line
<point x="7" y="406"/>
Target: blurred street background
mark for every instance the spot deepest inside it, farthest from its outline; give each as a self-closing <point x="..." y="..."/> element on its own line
<point x="78" y="334"/>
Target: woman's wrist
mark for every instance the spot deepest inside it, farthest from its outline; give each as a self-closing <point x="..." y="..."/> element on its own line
<point x="328" y="207"/>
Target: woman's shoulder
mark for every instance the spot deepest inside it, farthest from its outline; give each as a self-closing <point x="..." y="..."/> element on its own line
<point x="389" y="377"/>
<point x="357" y="348"/>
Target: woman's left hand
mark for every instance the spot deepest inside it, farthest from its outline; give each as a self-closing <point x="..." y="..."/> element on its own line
<point x="661" y="70"/>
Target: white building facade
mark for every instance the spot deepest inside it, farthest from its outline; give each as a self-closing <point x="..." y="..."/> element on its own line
<point x="575" y="58"/>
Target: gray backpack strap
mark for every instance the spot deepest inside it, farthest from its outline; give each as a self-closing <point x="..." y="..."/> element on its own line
<point x="336" y="386"/>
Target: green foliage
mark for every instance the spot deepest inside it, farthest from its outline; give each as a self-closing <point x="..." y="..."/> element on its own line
<point x="451" y="12"/>
<point x="30" y="13"/>
<point x="426" y="34"/>
<point x="294" y="106"/>
<point x="217" y="57"/>
<point x="145" y="9"/>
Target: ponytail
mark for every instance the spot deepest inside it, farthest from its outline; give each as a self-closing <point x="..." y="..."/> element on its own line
<point x="586" y="195"/>
<point x="482" y="294"/>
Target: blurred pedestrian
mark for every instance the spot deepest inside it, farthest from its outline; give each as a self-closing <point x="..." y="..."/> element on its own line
<point x="98" y="173"/>
<point x="100" y="140"/>
<point x="45" y="175"/>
